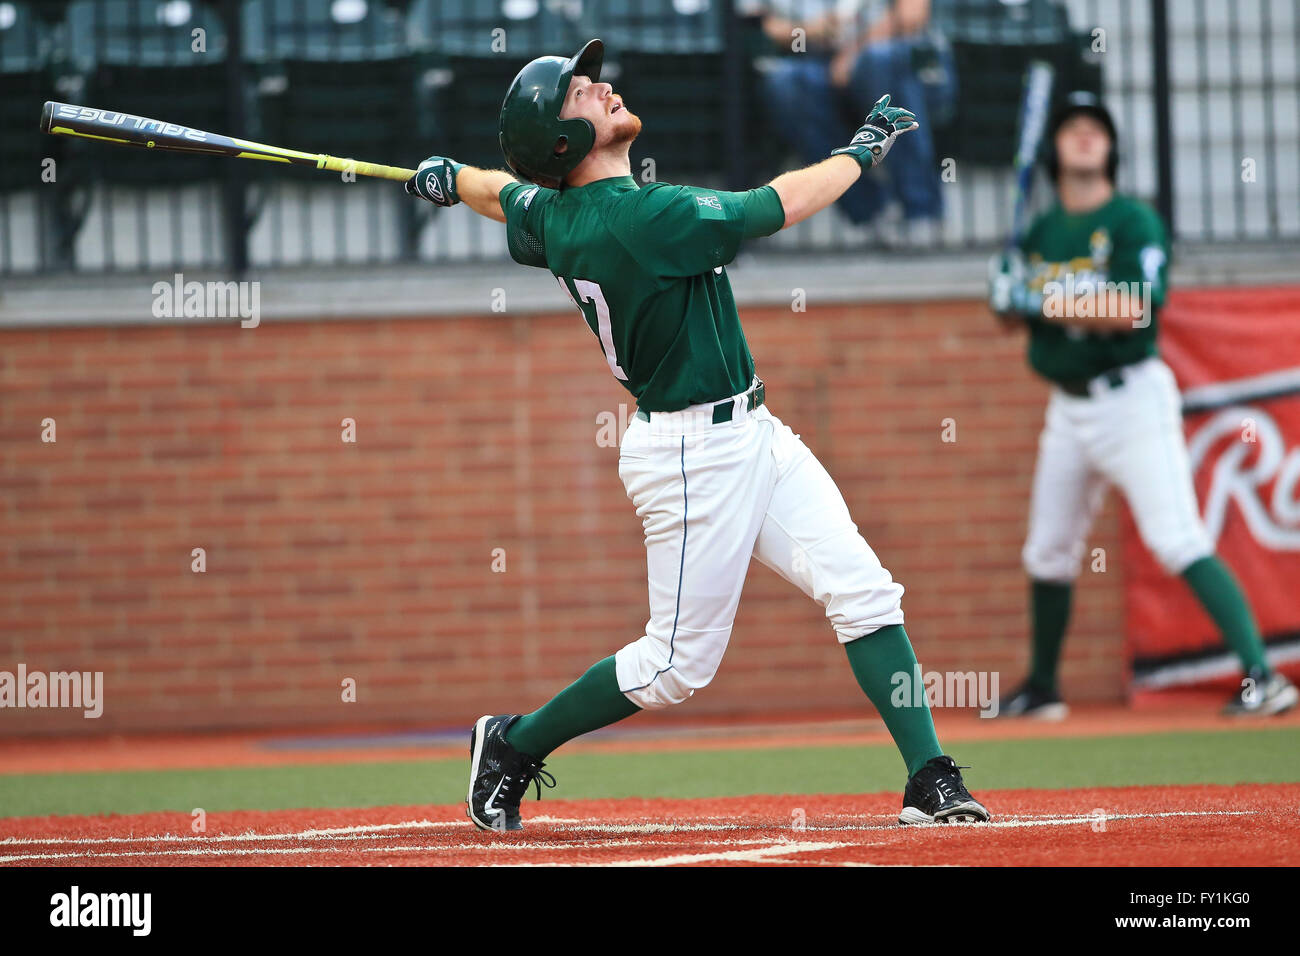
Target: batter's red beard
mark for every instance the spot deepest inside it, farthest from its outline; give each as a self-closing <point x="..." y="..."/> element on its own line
<point x="627" y="131"/>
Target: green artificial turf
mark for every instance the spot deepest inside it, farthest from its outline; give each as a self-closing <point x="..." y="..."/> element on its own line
<point x="1263" y="755"/>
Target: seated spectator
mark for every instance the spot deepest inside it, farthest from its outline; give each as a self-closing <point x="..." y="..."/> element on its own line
<point x="850" y="52"/>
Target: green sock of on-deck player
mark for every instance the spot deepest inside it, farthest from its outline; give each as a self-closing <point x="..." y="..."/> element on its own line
<point x="589" y="703"/>
<point x="875" y="659"/>
<point x="1049" y="608"/>
<point x="1220" y="595"/>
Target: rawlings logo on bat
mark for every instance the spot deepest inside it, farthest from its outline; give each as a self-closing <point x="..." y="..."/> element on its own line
<point x="128" y="120"/>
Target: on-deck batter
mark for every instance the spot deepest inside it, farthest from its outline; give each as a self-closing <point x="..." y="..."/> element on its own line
<point x="716" y="478"/>
<point x="1088" y="285"/>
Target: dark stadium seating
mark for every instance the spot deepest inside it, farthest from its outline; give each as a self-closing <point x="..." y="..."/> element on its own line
<point x="25" y="46"/>
<point x="668" y="66"/>
<point x="322" y="30"/>
<point x="993" y="22"/>
<point x="141" y="33"/>
<point x="529" y="28"/>
<point x="464" y="65"/>
<point x="25" y="41"/>
<point x="342" y="86"/>
<point x="992" y="44"/>
<point x="679" y="97"/>
<point x="139" y="56"/>
<point x="658" y="26"/>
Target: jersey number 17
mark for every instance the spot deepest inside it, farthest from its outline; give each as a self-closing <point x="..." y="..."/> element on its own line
<point x="590" y="301"/>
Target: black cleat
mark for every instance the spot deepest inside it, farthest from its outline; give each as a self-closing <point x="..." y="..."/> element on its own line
<point x="1029" y="701"/>
<point x="499" y="776"/>
<point x="1262" y="696"/>
<point x="936" y="794"/>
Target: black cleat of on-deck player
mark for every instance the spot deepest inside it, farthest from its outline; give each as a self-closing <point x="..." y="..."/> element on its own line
<point x="499" y="775"/>
<point x="936" y="794"/>
<point x="1262" y="696"/>
<point x="1029" y="701"/>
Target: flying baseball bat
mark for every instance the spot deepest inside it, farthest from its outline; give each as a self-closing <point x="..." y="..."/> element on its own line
<point x="1033" y="118"/>
<point x="67" y="119"/>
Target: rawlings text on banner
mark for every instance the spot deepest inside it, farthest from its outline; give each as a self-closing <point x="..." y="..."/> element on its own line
<point x="1236" y="355"/>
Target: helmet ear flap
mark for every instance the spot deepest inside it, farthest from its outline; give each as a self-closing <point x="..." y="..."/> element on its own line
<point x="577" y="136"/>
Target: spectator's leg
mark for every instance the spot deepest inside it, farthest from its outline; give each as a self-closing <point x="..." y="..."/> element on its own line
<point x="887" y="68"/>
<point x="804" y="109"/>
<point x="797" y="91"/>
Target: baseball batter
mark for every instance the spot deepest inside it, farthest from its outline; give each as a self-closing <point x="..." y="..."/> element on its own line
<point x="715" y="477"/>
<point x="1088" y="286"/>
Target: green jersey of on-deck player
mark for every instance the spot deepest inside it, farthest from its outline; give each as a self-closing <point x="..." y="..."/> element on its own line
<point x="644" y="264"/>
<point x="1121" y="241"/>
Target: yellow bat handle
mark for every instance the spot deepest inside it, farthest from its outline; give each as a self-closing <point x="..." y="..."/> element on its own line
<point x="375" y="170"/>
<point x="335" y="164"/>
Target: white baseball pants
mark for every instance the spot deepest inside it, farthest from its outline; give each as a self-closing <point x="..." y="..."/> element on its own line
<point x="710" y="497"/>
<point x="1131" y="436"/>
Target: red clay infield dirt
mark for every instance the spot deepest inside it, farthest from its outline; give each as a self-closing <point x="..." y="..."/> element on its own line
<point x="1253" y="825"/>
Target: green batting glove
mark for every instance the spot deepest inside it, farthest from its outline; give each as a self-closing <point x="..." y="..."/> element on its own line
<point x="1006" y="274"/>
<point x="1027" y="302"/>
<point x="872" y="141"/>
<point x="435" y="180"/>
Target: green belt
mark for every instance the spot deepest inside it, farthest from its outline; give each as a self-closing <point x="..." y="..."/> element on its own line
<point x="723" y="411"/>
<point x="1078" y="387"/>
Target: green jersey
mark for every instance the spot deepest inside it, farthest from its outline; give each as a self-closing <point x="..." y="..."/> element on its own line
<point x="645" y="267"/>
<point x="1120" y="242"/>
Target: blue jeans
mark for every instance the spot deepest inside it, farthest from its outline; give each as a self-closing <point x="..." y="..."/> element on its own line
<point x="808" y="111"/>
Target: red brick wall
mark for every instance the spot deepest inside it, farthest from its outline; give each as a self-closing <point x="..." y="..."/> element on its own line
<point x="373" y="560"/>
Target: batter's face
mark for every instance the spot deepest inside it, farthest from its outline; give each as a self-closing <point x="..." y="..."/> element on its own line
<point x="603" y="108"/>
<point x="1082" y="145"/>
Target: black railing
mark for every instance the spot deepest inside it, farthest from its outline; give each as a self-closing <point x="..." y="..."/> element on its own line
<point x="1205" y="94"/>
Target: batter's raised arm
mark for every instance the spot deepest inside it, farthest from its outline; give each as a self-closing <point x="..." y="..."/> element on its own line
<point x="446" y="182"/>
<point x="806" y="191"/>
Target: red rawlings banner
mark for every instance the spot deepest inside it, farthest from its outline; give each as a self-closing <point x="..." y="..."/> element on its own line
<point x="1236" y="355"/>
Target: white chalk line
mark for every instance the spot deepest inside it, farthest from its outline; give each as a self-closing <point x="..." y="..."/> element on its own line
<point x="376" y="831"/>
<point x="775" y="852"/>
<point x="731" y="856"/>
<point x="367" y="830"/>
<point x="511" y="847"/>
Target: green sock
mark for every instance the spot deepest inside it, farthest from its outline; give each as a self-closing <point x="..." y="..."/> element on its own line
<point x="589" y="703"/>
<point x="1049" y="608"/>
<point x="1220" y="595"/>
<point x="875" y="660"/>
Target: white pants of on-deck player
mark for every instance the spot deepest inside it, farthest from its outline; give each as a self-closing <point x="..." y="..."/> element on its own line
<point x="710" y="497"/>
<point x="1130" y="435"/>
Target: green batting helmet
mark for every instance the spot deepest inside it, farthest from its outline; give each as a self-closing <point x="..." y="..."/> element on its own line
<point x="531" y="128"/>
